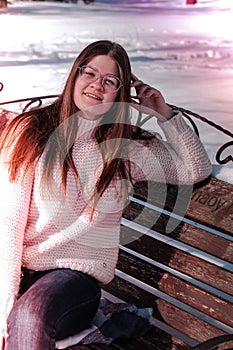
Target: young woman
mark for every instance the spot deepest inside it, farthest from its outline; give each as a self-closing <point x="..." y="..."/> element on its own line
<point x="66" y="170"/>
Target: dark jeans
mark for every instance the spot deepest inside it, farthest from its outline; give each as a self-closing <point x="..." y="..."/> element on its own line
<point x="54" y="305"/>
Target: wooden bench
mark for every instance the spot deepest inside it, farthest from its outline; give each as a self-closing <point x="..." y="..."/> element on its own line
<point x="185" y="275"/>
<point x="181" y="266"/>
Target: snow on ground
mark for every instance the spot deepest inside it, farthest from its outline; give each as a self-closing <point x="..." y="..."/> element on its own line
<point x="186" y="51"/>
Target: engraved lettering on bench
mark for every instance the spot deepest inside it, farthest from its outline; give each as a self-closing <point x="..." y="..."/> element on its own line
<point x="214" y="202"/>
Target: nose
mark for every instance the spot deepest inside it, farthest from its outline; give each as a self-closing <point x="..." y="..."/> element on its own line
<point x="98" y="84"/>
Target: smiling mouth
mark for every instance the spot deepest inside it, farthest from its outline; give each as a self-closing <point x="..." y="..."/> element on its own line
<point x="93" y="96"/>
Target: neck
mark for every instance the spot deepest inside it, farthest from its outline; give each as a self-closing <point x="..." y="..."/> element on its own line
<point x="86" y="126"/>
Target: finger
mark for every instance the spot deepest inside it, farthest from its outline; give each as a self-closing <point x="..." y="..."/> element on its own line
<point x="136" y="97"/>
<point x="140" y="90"/>
<point x="134" y="102"/>
<point x="135" y="105"/>
<point x="137" y="83"/>
<point x="144" y="91"/>
<point x="149" y="92"/>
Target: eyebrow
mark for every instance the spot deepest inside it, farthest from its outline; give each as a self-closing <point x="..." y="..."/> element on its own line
<point x="95" y="68"/>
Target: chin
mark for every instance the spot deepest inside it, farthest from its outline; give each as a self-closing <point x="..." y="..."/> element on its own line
<point x="96" y="111"/>
<point x="90" y="116"/>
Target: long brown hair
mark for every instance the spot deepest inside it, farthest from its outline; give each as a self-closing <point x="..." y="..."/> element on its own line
<point x="25" y="138"/>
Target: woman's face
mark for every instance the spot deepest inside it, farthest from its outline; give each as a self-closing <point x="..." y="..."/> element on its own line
<point x="94" y="95"/>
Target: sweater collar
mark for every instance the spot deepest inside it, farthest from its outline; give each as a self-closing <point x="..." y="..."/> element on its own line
<point x="86" y="126"/>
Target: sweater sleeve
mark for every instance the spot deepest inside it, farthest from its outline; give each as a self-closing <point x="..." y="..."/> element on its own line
<point x="179" y="159"/>
<point x="14" y="205"/>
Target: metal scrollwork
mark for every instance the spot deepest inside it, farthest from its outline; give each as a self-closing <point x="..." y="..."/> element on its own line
<point x="32" y="100"/>
<point x="220" y="151"/>
<point x="188" y="113"/>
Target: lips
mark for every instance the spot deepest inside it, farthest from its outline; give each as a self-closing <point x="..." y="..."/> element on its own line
<point x="96" y="97"/>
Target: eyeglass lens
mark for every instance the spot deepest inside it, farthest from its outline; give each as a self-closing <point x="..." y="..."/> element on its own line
<point x="110" y="82"/>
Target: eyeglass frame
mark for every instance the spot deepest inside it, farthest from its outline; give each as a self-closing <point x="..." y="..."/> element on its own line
<point x="106" y="75"/>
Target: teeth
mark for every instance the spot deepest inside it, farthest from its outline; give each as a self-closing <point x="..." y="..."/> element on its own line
<point x="94" y="96"/>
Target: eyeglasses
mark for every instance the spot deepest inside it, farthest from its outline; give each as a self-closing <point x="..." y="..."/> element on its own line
<point x="110" y="82"/>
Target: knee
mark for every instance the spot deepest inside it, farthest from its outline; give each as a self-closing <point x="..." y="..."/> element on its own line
<point x="26" y="315"/>
<point x="22" y="316"/>
<point x="28" y="327"/>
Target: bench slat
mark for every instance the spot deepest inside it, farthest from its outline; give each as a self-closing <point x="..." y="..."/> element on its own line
<point x="179" y="245"/>
<point x="162" y="267"/>
<point x="194" y="224"/>
<point x="182" y="291"/>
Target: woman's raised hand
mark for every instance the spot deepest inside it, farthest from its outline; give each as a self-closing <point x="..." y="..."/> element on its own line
<point x="149" y="100"/>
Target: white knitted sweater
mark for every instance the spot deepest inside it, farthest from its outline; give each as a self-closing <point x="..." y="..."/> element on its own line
<point x="43" y="230"/>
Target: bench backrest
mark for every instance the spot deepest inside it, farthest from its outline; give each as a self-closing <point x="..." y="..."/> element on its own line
<point x="185" y="274"/>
